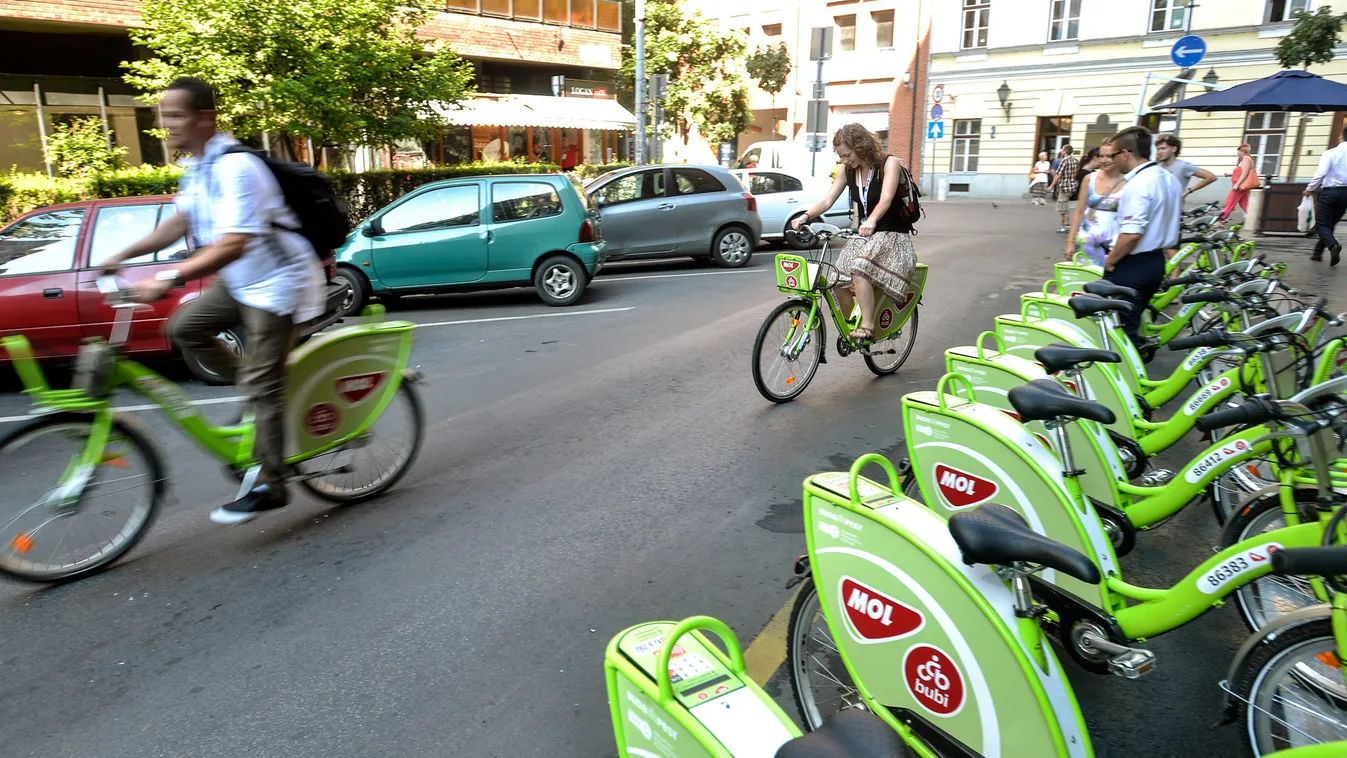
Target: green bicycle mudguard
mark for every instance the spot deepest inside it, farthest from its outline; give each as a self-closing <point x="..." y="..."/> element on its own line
<point x="890" y="316"/>
<point x="992" y="374"/>
<point x="1024" y="333"/>
<point x="700" y="704"/>
<point x="341" y="380"/>
<point x="925" y="637"/>
<point x="965" y="453"/>
<point x="1078" y="271"/>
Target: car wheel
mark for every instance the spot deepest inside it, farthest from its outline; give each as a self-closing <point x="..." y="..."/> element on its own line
<point x="560" y="280"/>
<point x="232" y="339"/>
<point x="357" y="293"/>
<point x="732" y="247"/>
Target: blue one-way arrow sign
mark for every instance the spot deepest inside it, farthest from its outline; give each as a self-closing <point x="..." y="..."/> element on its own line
<point x="1188" y="51"/>
<point x="935" y="130"/>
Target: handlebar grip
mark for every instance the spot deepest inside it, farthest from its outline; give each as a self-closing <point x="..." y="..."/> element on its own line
<point x="1191" y="240"/>
<point x="1252" y="412"/>
<point x="1182" y="281"/>
<point x="1205" y="339"/>
<point x="1318" y="561"/>
<point x="1206" y="296"/>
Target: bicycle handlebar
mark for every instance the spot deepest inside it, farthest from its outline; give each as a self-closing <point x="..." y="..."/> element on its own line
<point x="1182" y="281"/>
<point x="1207" y="296"/>
<point x="1251" y="412"/>
<point x="1205" y="339"/>
<point x="1321" y="561"/>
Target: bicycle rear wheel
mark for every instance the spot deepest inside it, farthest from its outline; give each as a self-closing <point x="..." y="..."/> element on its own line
<point x="47" y="535"/>
<point x="887" y="355"/>
<point x="371" y="463"/>
<point x="787" y="352"/>
<point x="820" y="679"/>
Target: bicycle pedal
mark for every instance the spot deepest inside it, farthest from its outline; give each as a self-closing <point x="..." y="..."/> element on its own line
<point x="1157" y="477"/>
<point x="1133" y="664"/>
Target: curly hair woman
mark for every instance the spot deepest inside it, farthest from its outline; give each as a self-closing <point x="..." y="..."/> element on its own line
<point x="883" y="256"/>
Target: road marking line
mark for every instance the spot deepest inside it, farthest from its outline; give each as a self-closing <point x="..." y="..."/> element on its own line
<point x="523" y="318"/>
<point x="675" y="276"/>
<point x="131" y="408"/>
<point x="765" y="654"/>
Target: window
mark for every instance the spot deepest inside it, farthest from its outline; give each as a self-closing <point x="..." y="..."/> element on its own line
<point x="1065" y="20"/>
<point x="1266" y="134"/>
<point x="883" y="28"/>
<point x="883" y="135"/>
<point x="846" y="32"/>
<point x="791" y="184"/>
<point x="582" y="13"/>
<point x="610" y="14"/>
<point x="967" y="134"/>
<point x="467" y="5"/>
<point x="693" y="181"/>
<point x="41" y="244"/>
<point x="749" y="159"/>
<point x="557" y="11"/>
<point x="521" y="201"/>
<point x="117" y="226"/>
<point x="1168" y="15"/>
<point x="496" y="7"/>
<point x="640" y="186"/>
<point x="531" y="9"/>
<point x="437" y="209"/>
<point x="1285" y="10"/>
<point x="976" y="16"/>
<point x="771" y="30"/>
<point x="769" y="184"/>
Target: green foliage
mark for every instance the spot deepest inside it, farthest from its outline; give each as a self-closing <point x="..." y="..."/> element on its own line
<point x="136" y="182"/>
<point x="706" y="71"/>
<point x="770" y="68"/>
<point x="24" y="192"/>
<point x="79" y="148"/>
<point x="369" y="191"/>
<point x="1311" y="40"/>
<point x="588" y="171"/>
<point x="334" y="71"/>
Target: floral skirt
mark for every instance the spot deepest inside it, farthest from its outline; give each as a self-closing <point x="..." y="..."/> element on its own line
<point x="1039" y="189"/>
<point x="887" y="259"/>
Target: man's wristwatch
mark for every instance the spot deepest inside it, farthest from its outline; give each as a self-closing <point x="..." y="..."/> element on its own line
<point x="172" y="276"/>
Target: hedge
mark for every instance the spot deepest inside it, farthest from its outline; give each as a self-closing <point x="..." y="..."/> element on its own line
<point x="368" y="191"/>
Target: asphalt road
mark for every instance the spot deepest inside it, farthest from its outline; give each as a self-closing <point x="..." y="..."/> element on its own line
<point x="584" y="469"/>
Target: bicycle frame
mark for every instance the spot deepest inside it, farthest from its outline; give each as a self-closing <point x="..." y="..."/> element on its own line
<point x="802" y="277"/>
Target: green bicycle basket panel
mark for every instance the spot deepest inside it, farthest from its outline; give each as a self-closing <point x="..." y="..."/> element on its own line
<point x="1071" y="275"/>
<point x="340" y="378"/>
<point x="916" y="638"/>
<point x="793" y="273"/>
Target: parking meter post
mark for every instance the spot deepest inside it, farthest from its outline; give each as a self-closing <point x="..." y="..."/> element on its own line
<point x="639" y="156"/>
<point x="820" y="50"/>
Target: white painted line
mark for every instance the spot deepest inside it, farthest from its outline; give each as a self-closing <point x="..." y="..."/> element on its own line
<point x="675" y="276"/>
<point x="523" y="318"/>
<point x="134" y="408"/>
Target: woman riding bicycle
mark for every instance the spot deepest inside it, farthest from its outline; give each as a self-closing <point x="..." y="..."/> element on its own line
<point x="883" y="255"/>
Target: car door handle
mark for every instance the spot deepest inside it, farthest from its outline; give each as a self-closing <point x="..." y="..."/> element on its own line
<point x="53" y="293"/>
<point x="488" y="235"/>
<point x="666" y="206"/>
<point x="793" y="200"/>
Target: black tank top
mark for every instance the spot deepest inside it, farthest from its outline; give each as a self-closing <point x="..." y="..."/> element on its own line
<point x="892" y="220"/>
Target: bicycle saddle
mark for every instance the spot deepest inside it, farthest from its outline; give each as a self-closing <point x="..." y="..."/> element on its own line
<point x="1088" y="305"/>
<point x="853" y="733"/>
<point x="1058" y="357"/>
<point x="1101" y="288"/>
<point x="996" y="535"/>
<point x="1045" y="399"/>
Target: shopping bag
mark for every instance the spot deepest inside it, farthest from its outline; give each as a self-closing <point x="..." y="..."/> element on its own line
<point x="1305" y="214"/>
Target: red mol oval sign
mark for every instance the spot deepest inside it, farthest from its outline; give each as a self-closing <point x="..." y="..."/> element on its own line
<point x="961" y="489"/>
<point x="353" y="389"/>
<point x="789" y="266"/>
<point x="933" y="679"/>
<point x="873" y="616"/>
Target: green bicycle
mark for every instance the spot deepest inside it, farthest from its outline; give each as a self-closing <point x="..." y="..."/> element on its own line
<point x="83" y="482"/>
<point x="792" y="341"/>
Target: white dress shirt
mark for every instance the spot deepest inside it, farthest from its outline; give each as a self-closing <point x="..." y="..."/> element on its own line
<point x="236" y="194"/>
<point x="1151" y="206"/>
<point x="1332" y="169"/>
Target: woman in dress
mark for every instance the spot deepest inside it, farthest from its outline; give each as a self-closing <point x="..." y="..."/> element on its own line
<point x="1095" y="225"/>
<point x="1242" y="179"/>
<point x="882" y="257"/>
<point x="1039" y="179"/>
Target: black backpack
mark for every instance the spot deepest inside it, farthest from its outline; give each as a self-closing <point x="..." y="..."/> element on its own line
<point x="324" y="220"/>
<point x="908" y="198"/>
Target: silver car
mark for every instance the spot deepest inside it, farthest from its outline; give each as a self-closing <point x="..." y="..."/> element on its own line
<point x="782" y="195"/>
<point x="674" y="210"/>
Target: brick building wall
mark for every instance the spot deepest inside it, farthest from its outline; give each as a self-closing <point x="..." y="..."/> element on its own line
<point x="907" y="112"/>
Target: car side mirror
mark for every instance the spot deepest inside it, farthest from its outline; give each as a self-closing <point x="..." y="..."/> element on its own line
<point x="373" y="229"/>
<point x="599" y="202"/>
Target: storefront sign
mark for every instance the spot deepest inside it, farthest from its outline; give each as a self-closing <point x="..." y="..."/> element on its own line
<point x="583" y="88"/>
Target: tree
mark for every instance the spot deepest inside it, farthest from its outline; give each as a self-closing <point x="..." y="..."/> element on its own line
<point x="334" y="71"/>
<point x="706" y="71"/>
<point x="770" y="68"/>
<point x="79" y="148"/>
<point x="1311" y="40"/>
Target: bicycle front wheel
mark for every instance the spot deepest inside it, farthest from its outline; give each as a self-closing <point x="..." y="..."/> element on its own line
<point x="371" y="463"/>
<point x="788" y="351"/>
<point x="1292" y="691"/>
<point x="59" y="522"/>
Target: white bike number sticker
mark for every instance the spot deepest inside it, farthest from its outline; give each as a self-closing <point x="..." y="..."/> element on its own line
<point x="1211" y="582"/>
<point x="1206" y="394"/>
<point x="1195" y="358"/>
<point x="1210" y="460"/>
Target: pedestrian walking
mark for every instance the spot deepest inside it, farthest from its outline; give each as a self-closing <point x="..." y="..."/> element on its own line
<point x="1064" y="186"/>
<point x="1242" y="179"/>
<point x="1330" y="182"/>
<point x="1167" y="149"/>
<point x="1095" y="224"/>
<point x="1150" y="211"/>
<point x="1039" y="177"/>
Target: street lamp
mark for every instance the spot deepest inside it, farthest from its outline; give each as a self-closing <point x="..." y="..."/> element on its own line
<point x="1003" y="94"/>
<point x="1211" y="78"/>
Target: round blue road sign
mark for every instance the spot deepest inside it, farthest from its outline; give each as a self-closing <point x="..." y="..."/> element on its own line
<point x="1188" y="51"/>
<point x="937" y="112"/>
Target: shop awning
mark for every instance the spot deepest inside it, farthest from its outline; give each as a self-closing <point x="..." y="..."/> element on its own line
<point x="539" y="111"/>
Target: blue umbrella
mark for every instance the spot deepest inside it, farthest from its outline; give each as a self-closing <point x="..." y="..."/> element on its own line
<point x="1289" y="90"/>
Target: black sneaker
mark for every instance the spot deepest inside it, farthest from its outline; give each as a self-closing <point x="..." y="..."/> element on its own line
<point x="245" y="509"/>
<point x="1336" y="250"/>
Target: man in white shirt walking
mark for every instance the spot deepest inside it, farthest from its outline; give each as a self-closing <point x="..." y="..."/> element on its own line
<point x="269" y="278"/>
<point x="1330" y="181"/>
<point x="1150" y="210"/>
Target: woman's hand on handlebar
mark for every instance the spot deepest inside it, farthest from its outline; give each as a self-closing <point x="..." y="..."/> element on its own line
<point x="798" y="222"/>
<point x="867" y="229"/>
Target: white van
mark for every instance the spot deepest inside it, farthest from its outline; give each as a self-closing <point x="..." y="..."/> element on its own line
<point x="788" y="156"/>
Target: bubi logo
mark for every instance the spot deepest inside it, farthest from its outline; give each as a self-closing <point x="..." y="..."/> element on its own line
<point x="873" y="616"/>
<point x="789" y="266"/>
<point x="961" y="489"/>
<point x="353" y="389"/>
<point x="886" y="318"/>
<point x="933" y="679"/>
<point x="792" y="282"/>
<point x="322" y="420"/>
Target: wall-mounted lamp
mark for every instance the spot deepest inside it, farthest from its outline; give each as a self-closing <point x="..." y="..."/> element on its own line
<point x="1003" y="94"/>
<point x="1211" y="78"/>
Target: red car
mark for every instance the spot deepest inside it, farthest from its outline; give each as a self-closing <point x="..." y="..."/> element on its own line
<point x="49" y="261"/>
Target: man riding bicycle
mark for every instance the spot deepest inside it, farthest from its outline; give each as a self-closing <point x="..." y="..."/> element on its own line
<point x="270" y="279"/>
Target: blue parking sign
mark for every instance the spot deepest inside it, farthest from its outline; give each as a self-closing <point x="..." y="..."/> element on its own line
<point x="1188" y="51"/>
<point x="935" y="130"/>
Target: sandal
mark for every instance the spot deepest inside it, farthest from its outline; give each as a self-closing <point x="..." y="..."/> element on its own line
<point x="862" y="335"/>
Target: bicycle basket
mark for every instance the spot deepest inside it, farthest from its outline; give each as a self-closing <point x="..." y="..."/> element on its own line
<point x="793" y="273"/>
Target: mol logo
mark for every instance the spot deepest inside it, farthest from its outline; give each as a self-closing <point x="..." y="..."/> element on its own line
<point x="353" y="389"/>
<point x="789" y="265"/>
<point x="933" y="679"/>
<point x="961" y="489"/>
<point x="875" y="617"/>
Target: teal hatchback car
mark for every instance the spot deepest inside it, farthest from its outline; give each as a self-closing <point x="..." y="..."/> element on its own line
<point x="477" y="233"/>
